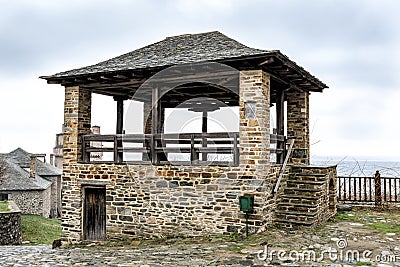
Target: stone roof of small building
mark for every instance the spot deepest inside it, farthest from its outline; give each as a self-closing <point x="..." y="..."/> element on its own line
<point x="184" y="49"/>
<point x="15" y="178"/>
<point x="23" y="159"/>
<point x="181" y="49"/>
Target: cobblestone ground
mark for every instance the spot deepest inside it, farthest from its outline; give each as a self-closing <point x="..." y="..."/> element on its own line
<point x="337" y="244"/>
<point x="161" y="255"/>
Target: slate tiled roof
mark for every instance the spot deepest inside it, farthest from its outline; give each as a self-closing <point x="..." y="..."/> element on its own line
<point x="16" y="178"/>
<point x="23" y="159"/>
<point x="189" y="48"/>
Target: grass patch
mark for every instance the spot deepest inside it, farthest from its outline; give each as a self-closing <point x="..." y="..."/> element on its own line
<point x="385" y="227"/>
<point x="39" y="230"/>
<point x="4" y="206"/>
<point x="382" y="221"/>
<point x="363" y="263"/>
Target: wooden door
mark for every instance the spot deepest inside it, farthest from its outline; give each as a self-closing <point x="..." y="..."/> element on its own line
<point x="94" y="214"/>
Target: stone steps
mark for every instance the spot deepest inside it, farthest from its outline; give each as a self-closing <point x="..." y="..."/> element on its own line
<point x="292" y="223"/>
<point x="293" y="206"/>
<point x="297" y="213"/>
<point x="304" y="199"/>
<point x="305" y="182"/>
<point x="292" y="196"/>
<point x="298" y="204"/>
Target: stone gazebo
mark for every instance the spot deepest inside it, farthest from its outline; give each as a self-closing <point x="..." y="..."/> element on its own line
<point x="141" y="190"/>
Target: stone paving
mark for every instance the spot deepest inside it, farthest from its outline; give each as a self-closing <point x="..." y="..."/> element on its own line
<point x="271" y="248"/>
<point x="163" y="255"/>
<point x="176" y="254"/>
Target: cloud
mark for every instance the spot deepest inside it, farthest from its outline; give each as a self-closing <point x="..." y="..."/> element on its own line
<point x="350" y="45"/>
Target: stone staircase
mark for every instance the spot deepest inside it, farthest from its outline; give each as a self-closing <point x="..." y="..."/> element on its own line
<point x="299" y="201"/>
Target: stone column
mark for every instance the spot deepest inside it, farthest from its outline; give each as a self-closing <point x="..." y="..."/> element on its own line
<point x="298" y="120"/>
<point x="255" y="140"/>
<point x="77" y="122"/>
<point x="254" y="132"/>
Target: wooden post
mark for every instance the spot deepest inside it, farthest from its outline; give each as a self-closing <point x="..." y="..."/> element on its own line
<point x="280" y="125"/>
<point x="119" y="128"/>
<point x="86" y="156"/>
<point x="378" y="189"/>
<point x="154" y="123"/>
<point x="204" y="129"/>
<point x="235" y="149"/>
<point x="193" y="155"/>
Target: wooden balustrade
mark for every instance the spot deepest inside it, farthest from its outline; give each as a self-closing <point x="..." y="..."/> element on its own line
<point x="159" y="149"/>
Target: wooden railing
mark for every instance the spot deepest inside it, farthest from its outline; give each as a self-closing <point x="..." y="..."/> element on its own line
<point x="365" y="189"/>
<point x="159" y="149"/>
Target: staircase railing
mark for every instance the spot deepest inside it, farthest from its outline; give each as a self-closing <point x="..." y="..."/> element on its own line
<point x="282" y="171"/>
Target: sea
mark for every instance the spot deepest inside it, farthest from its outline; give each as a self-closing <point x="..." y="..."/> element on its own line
<point x="360" y="168"/>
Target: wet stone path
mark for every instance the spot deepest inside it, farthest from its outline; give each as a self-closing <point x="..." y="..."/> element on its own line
<point x="164" y="255"/>
<point x="181" y="254"/>
<point x="350" y="242"/>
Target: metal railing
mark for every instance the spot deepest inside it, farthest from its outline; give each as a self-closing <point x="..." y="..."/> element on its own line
<point x="366" y="189"/>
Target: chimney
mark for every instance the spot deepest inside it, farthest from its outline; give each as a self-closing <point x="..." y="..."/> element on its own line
<point x="96" y="129"/>
<point x="32" y="169"/>
<point x="52" y="159"/>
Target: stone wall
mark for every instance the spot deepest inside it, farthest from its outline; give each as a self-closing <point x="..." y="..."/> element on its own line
<point x="147" y="201"/>
<point x="32" y="202"/>
<point x="10" y="226"/>
<point x="55" y="197"/>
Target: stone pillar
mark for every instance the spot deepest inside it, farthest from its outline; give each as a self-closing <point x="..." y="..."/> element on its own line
<point x="77" y="122"/>
<point x="298" y="120"/>
<point x="255" y="132"/>
<point x="255" y="139"/>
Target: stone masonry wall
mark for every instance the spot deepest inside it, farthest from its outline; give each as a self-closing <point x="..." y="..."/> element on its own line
<point x="150" y="201"/>
<point x="147" y="201"/>
<point x="10" y="226"/>
<point x="324" y="209"/>
<point x="32" y="202"/>
<point x="54" y="197"/>
<point x="298" y="126"/>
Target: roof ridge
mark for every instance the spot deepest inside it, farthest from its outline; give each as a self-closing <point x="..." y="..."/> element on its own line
<point x="193" y="34"/>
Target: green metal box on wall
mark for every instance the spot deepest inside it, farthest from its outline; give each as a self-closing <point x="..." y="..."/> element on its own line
<point x="246" y="203"/>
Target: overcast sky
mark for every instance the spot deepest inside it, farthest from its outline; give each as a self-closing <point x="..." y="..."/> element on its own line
<point x="351" y="45"/>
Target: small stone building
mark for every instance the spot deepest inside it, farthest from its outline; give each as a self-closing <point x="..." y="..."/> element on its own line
<point x="34" y="185"/>
<point x="160" y="184"/>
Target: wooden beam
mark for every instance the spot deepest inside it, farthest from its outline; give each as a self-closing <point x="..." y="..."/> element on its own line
<point x="204" y="129"/>
<point x="154" y="123"/>
<point x="119" y="126"/>
<point x="280" y="122"/>
<point x="267" y="61"/>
